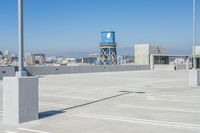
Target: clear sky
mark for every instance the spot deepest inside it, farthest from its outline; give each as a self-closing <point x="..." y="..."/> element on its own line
<point x="74" y="26"/>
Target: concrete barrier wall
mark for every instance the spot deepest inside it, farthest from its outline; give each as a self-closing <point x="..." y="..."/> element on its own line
<point x="170" y="67"/>
<point x="181" y="67"/>
<point x="164" y="67"/>
<point x="52" y="70"/>
<point x="6" y="71"/>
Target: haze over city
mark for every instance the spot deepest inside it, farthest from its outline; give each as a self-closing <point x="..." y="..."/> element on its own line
<point x="72" y="27"/>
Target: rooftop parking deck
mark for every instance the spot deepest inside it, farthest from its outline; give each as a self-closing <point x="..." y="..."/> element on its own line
<point x="114" y="102"/>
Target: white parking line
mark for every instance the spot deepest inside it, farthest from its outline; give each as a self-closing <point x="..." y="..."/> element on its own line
<point x="55" y="105"/>
<point x="163" y="98"/>
<point x="65" y="96"/>
<point x="1" y="113"/>
<point x="31" y="130"/>
<point x="85" y="91"/>
<point x="89" y="92"/>
<point x="158" y="81"/>
<point x="174" y="100"/>
<point x="181" y="97"/>
<point x="10" y="132"/>
<point x="140" y="121"/>
<point x="159" y="108"/>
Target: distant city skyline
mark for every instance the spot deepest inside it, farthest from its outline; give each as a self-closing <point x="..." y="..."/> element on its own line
<point x="72" y="27"/>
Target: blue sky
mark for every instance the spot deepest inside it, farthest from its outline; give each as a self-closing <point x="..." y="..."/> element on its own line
<point x="72" y="27"/>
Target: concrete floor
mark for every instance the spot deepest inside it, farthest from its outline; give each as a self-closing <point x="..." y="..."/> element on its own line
<point x="114" y="102"/>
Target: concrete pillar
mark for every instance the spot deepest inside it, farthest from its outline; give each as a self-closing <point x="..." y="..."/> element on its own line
<point x="152" y="62"/>
<point x="194" y="78"/>
<point x="187" y="63"/>
<point x="20" y="99"/>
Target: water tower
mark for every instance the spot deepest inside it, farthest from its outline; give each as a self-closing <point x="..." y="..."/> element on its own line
<point x="108" y="52"/>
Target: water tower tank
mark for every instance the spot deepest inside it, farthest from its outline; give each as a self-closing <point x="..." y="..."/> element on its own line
<point x="108" y="38"/>
<point x="108" y="52"/>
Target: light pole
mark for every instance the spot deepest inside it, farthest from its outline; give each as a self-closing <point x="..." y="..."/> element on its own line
<point x="194" y="34"/>
<point x="21" y="71"/>
<point x="194" y="74"/>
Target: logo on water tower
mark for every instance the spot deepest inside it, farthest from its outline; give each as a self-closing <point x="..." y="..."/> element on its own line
<point x="109" y="36"/>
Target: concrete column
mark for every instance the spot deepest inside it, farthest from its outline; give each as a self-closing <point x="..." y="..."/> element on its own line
<point x="152" y="62"/>
<point x="20" y="99"/>
<point x="194" y="78"/>
<point x="187" y="63"/>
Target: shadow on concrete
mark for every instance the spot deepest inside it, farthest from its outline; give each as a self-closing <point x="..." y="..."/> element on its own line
<point x="55" y="112"/>
<point x="49" y="113"/>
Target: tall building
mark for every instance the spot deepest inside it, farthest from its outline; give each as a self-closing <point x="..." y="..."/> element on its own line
<point x="7" y="55"/>
<point x="108" y="52"/>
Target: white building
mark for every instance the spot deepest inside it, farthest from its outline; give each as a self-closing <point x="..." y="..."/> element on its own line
<point x="51" y="59"/>
<point x="7" y="55"/>
<point x="34" y="59"/>
<point x="143" y="51"/>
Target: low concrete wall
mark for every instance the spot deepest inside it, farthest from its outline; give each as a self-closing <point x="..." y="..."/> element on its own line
<point x="164" y="67"/>
<point x="6" y="71"/>
<point x="170" y="67"/>
<point x="52" y="70"/>
<point x="181" y="67"/>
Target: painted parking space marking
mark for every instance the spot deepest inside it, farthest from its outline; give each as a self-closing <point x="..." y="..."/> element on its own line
<point x="158" y="108"/>
<point x="55" y="105"/>
<point x="140" y="121"/>
<point x="64" y="96"/>
<point x="10" y="132"/>
<point x="31" y="130"/>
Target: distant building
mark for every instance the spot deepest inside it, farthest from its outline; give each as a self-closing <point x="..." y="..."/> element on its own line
<point x="143" y="51"/>
<point x="39" y="59"/>
<point x="6" y="58"/>
<point x="70" y="61"/>
<point x="87" y="60"/>
<point x="7" y="55"/>
<point x="34" y="59"/>
<point x="51" y="59"/>
<point x="1" y="56"/>
<point x="14" y="60"/>
<point x="93" y="55"/>
<point x="121" y="60"/>
<point x="91" y="59"/>
<point x="60" y="60"/>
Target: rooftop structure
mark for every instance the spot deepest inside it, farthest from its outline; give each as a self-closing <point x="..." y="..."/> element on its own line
<point x="143" y="51"/>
